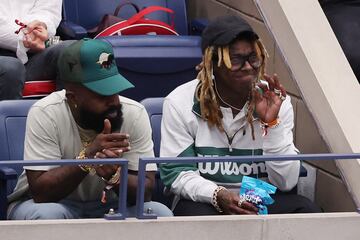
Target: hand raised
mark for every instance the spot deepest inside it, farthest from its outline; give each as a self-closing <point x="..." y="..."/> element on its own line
<point x="268" y="103"/>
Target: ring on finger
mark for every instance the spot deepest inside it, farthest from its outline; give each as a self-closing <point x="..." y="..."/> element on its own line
<point x="277" y="91"/>
<point x="240" y="202"/>
<point x="105" y="180"/>
<point x="282" y="98"/>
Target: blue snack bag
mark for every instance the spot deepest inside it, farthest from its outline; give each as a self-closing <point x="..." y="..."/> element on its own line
<point x="257" y="192"/>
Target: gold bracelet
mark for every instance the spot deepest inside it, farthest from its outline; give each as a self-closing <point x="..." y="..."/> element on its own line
<point x="214" y="201"/>
<point x="84" y="168"/>
<point x="115" y="178"/>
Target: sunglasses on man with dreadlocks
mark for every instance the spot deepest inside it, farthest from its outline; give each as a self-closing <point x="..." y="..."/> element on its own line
<point x="229" y="61"/>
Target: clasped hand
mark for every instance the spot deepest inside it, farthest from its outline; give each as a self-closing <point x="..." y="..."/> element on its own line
<point x="108" y="145"/>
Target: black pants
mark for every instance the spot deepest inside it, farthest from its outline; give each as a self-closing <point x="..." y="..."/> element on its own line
<point x="284" y="203"/>
<point x="41" y="66"/>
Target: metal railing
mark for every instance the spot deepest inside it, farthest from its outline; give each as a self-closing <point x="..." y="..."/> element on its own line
<point x="121" y="211"/>
<point x="243" y="159"/>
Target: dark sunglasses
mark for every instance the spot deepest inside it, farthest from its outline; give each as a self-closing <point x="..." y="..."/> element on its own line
<point x="238" y="61"/>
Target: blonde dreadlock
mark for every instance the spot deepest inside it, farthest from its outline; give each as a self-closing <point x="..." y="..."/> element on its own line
<point x="210" y="108"/>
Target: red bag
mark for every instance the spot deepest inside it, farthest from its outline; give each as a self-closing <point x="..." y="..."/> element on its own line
<point x="139" y="25"/>
<point x="36" y="89"/>
<point x="108" y="19"/>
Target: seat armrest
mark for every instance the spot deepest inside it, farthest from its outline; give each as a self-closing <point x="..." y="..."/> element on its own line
<point x="7" y="174"/>
<point x="69" y="30"/>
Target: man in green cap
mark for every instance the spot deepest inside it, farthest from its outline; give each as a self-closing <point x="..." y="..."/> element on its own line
<point x="86" y="120"/>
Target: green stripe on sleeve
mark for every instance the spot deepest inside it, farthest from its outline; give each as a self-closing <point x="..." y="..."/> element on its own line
<point x="170" y="171"/>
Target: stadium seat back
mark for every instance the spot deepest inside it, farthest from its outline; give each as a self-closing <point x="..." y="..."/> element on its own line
<point x="13" y="115"/>
<point x="156" y="65"/>
<point x="154" y="108"/>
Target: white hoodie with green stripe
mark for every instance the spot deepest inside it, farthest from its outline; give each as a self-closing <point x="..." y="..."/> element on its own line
<point x="185" y="133"/>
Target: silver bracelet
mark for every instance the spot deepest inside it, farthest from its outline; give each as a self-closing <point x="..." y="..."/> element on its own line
<point x="52" y="41"/>
<point x="214" y="201"/>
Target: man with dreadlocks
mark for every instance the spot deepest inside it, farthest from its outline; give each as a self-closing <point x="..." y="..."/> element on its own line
<point x="233" y="108"/>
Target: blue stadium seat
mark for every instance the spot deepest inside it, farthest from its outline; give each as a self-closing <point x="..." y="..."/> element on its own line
<point x="155" y="64"/>
<point x="13" y="115"/>
<point x="154" y="107"/>
<point x="76" y="17"/>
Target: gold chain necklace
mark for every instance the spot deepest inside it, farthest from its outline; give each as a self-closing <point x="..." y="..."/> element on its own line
<point x="222" y="100"/>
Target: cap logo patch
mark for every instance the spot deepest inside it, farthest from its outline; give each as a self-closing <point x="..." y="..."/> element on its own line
<point x="105" y="60"/>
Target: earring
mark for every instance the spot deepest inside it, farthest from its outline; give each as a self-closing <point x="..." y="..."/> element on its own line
<point x="75" y="105"/>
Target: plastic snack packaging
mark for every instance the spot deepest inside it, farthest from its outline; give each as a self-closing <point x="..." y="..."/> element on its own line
<point x="257" y="192"/>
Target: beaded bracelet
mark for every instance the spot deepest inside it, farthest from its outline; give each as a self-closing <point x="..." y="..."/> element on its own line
<point x="214" y="201"/>
<point x="265" y="126"/>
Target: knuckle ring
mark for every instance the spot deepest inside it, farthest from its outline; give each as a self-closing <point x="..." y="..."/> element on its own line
<point x="277" y="91"/>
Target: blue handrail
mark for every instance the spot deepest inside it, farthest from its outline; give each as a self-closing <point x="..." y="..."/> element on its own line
<point x="121" y="212"/>
<point x="244" y="159"/>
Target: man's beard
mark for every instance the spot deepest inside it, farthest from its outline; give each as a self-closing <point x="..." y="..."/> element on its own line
<point x="94" y="121"/>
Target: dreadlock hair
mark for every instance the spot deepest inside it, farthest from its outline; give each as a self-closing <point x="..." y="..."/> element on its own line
<point x="209" y="105"/>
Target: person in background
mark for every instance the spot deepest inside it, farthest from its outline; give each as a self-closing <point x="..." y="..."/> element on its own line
<point x="27" y="30"/>
<point x="86" y="120"/>
<point x="233" y="108"/>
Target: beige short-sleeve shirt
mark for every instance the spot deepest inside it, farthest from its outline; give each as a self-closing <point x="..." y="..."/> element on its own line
<point x="52" y="133"/>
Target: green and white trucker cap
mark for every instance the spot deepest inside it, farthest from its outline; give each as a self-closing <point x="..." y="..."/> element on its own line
<point x="91" y="62"/>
